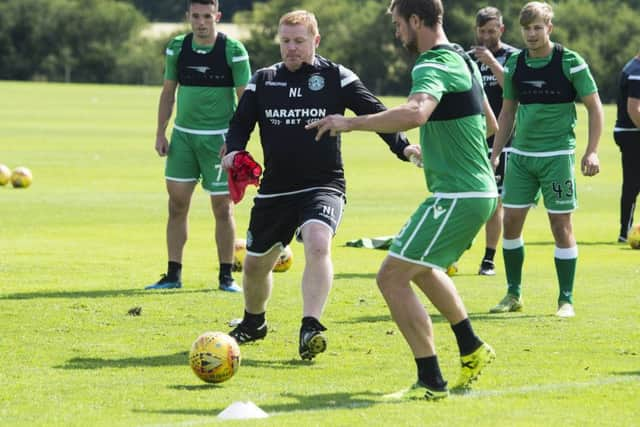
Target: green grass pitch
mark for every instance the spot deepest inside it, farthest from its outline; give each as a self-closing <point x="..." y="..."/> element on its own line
<point x="78" y="246"/>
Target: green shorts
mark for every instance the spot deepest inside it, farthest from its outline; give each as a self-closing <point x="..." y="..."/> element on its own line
<point x="440" y="230"/>
<point x="192" y="157"/>
<point x="527" y="176"/>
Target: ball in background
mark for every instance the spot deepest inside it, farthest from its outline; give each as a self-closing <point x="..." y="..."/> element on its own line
<point x="285" y="260"/>
<point x="214" y="357"/>
<point x="21" y="177"/>
<point x="5" y="174"/>
<point x="452" y="270"/>
<point x="634" y="237"/>
<point x="239" y="252"/>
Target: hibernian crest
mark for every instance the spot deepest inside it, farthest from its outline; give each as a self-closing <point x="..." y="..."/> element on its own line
<point x="316" y="82"/>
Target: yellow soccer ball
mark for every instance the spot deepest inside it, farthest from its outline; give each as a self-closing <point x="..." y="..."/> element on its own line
<point x="634" y="237"/>
<point x="285" y="260"/>
<point x="21" y="177"/>
<point x="240" y="250"/>
<point x="452" y="270"/>
<point x="214" y="357"/>
<point x="5" y="174"/>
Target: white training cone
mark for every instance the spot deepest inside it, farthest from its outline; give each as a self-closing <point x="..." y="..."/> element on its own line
<point x="242" y="411"/>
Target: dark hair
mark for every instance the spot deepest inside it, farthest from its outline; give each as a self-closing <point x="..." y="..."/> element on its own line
<point x="430" y="11"/>
<point x="213" y="2"/>
<point x="487" y="14"/>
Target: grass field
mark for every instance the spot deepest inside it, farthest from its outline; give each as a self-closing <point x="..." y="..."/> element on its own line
<point x="81" y="243"/>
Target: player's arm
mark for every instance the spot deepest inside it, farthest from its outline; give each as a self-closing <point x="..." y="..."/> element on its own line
<point x="506" y="120"/>
<point x="165" y="109"/>
<point x="415" y="112"/>
<point x="242" y="123"/>
<point x="490" y="118"/>
<point x="590" y="164"/>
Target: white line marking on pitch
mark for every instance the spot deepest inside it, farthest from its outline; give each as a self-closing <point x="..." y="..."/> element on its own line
<point x="397" y="396"/>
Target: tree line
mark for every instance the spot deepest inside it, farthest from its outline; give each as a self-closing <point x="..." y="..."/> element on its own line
<point x="101" y="41"/>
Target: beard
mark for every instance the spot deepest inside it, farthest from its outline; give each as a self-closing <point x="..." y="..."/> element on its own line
<point x="412" y="42"/>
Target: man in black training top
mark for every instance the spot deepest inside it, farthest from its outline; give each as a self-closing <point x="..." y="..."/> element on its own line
<point x="303" y="189"/>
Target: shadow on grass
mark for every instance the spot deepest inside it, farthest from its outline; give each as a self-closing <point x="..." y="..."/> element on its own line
<point x="306" y="402"/>
<point x="438" y="318"/>
<point x="92" y="294"/>
<point x="628" y="373"/>
<point x="176" y="359"/>
<point x="342" y="276"/>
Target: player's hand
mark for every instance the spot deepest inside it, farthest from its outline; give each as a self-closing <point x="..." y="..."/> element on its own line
<point x="223" y="150"/>
<point x="414" y="154"/>
<point x="495" y="161"/>
<point x="334" y="124"/>
<point x="227" y="160"/>
<point x="483" y="55"/>
<point x="590" y="164"/>
<point x="162" y="146"/>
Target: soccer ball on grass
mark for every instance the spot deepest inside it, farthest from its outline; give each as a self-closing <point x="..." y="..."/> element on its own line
<point x="240" y="250"/>
<point x="214" y="357"/>
<point x="5" y="174"/>
<point x="285" y="260"/>
<point x="21" y="177"/>
<point x="634" y="237"/>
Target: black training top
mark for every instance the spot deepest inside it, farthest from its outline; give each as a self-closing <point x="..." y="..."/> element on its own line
<point x="282" y="102"/>
<point x="629" y="87"/>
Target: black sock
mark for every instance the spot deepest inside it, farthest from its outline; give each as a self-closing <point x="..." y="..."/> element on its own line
<point x="429" y="372"/>
<point x="174" y="271"/>
<point x="253" y="320"/>
<point x="225" y="271"/>
<point x="468" y="341"/>
<point x="489" y="254"/>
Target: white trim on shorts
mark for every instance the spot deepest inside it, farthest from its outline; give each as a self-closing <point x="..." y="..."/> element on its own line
<point x="309" y="221"/>
<point x="467" y="195"/>
<point x="414" y="261"/>
<point x="257" y="254"/>
<point x="199" y="131"/>
<point x="216" y="193"/>
<point x="541" y="153"/>
<point x="171" y="178"/>
<point x="561" y="212"/>
<point x="528" y="205"/>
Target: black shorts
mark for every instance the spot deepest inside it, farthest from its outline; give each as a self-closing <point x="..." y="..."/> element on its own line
<point x="275" y="220"/>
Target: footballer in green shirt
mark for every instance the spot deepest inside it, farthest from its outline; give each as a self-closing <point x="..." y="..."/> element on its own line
<point x="209" y="71"/>
<point x="541" y="85"/>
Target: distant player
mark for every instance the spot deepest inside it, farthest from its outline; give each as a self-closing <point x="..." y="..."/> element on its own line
<point x="490" y="54"/>
<point x="209" y="71"/>
<point x="627" y="137"/>
<point x="540" y="88"/>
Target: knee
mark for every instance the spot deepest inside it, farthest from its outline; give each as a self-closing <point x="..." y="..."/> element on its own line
<point x="178" y="207"/>
<point x="222" y="210"/>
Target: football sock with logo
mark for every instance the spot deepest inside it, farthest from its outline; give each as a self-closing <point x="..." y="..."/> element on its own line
<point x="174" y="271"/>
<point x="467" y="340"/>
<point x="225" y="271"/>
<point x="513" y="254"/>
<point x="429" y="372"/>
<point x="253" y="320"/>
<point x="489" y="254"/>
<point x="566" y="260"/>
